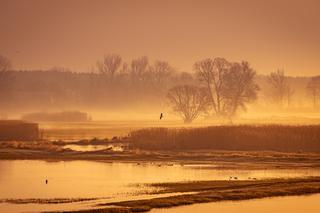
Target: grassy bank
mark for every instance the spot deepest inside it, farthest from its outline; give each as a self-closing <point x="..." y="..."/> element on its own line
<point x="219" y="158"/>
<point x="283" y="138"/>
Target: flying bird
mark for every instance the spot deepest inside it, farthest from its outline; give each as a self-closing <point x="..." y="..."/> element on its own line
<point x="161" y="116"/>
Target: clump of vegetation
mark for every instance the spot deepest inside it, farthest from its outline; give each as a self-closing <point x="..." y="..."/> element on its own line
<point x="241" y="137"/>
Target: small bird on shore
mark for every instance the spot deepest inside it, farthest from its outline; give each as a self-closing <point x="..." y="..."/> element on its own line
<point x="161" y="115"/>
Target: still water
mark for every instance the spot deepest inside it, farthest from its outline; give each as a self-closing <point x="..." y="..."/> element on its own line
<point x="26" y="178"/>
<point x="110" y="181"/>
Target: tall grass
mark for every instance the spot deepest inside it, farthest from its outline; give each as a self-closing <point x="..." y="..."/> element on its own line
<point x="243" y="137"/>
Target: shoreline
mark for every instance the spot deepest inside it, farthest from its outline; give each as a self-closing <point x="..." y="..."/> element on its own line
<point x="217" y="159"/>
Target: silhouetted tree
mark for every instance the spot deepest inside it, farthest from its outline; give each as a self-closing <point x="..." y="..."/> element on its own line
<point x="239" y="87"/>
<point x="280" y="88"/>
<point x="229" y="85"/>
<point x="188" y="101"/>
<point x="109" y="66"/>
<point x="210" y="73"/>
<point x="313" y="89"/>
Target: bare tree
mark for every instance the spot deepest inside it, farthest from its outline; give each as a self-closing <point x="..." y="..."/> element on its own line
<point x="313" y="88"/>
<point x="211" y="72"/>
<point x="280" y="88"/>
<point x="188" y="101"/>
<point x="109" y="66"/>
<point x="139" y="70"/>
<point x="230" y="85"/>
<point x="239" y="87"/>
<point x="160" y="74"/>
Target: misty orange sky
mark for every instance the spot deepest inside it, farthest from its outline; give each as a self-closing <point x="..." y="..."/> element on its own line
<point x="41" y="34"/>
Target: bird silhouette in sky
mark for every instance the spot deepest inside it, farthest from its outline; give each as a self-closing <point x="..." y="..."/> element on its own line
<point x="161" y="115"/>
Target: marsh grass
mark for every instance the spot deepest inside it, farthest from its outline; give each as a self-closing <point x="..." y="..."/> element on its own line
<point x="283" y="138"/>
<point x="212" y="191"/>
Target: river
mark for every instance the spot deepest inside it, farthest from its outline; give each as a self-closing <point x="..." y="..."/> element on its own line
<point x="21" y="179"/>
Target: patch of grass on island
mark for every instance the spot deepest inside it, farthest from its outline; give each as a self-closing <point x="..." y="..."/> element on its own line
<point x="213" y="191"/>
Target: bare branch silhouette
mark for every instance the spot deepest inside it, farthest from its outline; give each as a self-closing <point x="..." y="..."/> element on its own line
<point x="109" y="66"/>
<point x="240" y="87"/>
<point x="188" y="101"/>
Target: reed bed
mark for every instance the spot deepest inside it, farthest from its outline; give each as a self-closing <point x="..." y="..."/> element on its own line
<point x="238" y="137"/>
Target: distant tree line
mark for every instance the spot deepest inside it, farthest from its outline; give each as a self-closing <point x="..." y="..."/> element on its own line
<point x="139" y="73"/>
<point x="215" y="87"/>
